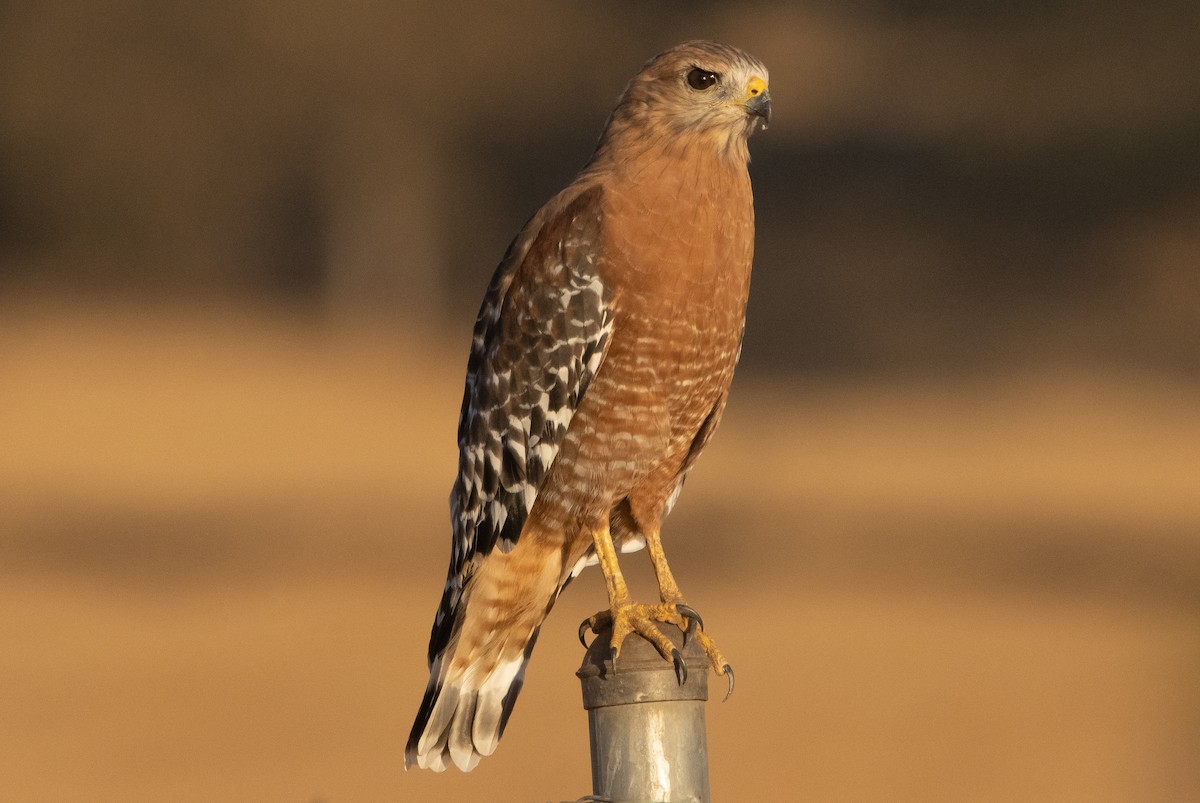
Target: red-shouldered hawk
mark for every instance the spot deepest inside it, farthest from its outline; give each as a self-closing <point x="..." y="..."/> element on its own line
<point x="600" y="366"/>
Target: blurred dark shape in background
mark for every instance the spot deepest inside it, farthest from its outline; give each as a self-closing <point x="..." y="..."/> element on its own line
<point x="949" y="532"/>
<point x="946" y="185"/>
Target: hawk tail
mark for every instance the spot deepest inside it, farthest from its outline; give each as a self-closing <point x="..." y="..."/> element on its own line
<point x="475" y="678"/>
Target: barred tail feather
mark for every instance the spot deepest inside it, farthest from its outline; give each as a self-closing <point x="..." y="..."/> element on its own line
<point x="461" y="722"/>
<point x="475" y="679"/>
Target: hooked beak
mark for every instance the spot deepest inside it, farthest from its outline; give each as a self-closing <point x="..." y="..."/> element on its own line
<point x="757" y="101"/>
<point x="760" y="106"/>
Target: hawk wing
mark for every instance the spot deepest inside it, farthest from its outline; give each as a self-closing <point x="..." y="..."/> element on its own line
<point x="540" y="337"/>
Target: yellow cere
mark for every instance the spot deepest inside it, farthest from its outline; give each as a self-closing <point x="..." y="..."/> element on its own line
<point x="755" y="87"/>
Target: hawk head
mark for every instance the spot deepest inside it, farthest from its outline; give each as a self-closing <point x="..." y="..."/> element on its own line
<point x="697" y="90"/>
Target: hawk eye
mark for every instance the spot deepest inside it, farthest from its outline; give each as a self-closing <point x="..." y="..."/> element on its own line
<point x="702" y="79"/>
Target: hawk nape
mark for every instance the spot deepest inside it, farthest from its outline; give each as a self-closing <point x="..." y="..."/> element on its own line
<point x="600" y="366"/>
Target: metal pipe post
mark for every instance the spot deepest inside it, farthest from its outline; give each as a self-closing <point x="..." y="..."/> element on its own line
<point x="648" y="736"/>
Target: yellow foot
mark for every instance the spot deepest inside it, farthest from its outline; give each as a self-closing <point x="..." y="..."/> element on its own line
<point x="642" y="619"/>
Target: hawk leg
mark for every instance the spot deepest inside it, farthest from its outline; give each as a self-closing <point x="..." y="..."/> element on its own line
<point x="626" y="616"/>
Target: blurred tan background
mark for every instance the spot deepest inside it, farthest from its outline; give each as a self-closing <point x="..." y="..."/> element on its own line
<point x="949" y="534"/>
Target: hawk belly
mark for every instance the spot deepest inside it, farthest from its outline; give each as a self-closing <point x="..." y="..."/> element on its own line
<point x="679" y="317"/>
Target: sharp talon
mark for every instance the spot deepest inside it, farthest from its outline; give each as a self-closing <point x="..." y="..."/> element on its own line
<point x="612" y="656"/>
<point x="690" y="631"/>
<point x="728" y="671"/>
<point x="694" y="619"/>
<point x="680" y="667"/>
<point x="584" y="626"/>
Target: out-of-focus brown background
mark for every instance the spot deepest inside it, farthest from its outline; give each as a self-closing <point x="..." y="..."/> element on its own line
<point x="949" y="533"/>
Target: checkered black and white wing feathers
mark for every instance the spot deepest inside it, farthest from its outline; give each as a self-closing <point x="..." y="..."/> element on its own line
<point x="540" y="337"/>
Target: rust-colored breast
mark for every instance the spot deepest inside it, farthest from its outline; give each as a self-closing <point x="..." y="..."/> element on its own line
<point x="678" y="251"/>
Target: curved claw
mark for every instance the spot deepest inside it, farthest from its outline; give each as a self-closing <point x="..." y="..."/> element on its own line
<point x="680" y="667"/>
<point x="727" y="670"/>
<point x="690" y="631"/>
<point x="694" y="619"/>
<point x="595" y="623"/>
<point x="612" y="656"/>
